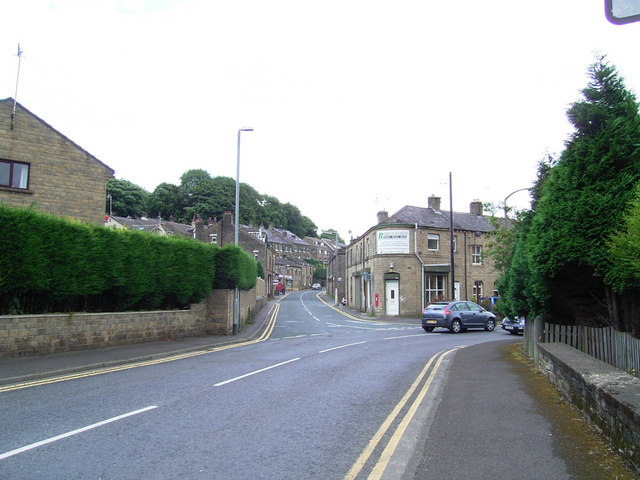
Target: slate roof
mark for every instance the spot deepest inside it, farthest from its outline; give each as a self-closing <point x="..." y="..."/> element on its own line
<point x="152" y="224"/>
<point x="429" y="217"/>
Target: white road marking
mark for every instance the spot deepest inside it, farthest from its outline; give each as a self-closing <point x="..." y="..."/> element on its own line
<point x="73" y="432"/>
<point x="257" y="371"/>
<point x="419" y="335"/>
<point x="341" y="346"/>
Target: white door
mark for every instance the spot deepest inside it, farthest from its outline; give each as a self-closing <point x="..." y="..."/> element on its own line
<point x="456" y="290"/>
<point x="392" y="302"/>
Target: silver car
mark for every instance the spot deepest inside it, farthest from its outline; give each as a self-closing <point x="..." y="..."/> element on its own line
<point x="457" y="316"/>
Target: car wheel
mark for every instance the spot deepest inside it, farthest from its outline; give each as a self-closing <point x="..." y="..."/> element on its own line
<point x="428" y="329"/>
<point x="491" y="324"/>
<point x="456" y="326"/>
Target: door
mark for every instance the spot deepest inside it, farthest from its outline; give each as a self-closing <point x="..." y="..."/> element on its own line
<point x="392" y="303"/>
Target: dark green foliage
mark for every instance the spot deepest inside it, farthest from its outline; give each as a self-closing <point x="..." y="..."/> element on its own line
<point x="320" y="273"/>
<point x="260" y="270"/>
<point x="583" y="202"/>
<point x="53" y="265"/>
<point x="563" y="265"/>
<point x="330" y="234"/>
<point x="234" y="267"/>
<point x="166" y="202"/>
<point x="200" y="194"/>
<point x="127" y="199"/>
<point x="625" y="250"/>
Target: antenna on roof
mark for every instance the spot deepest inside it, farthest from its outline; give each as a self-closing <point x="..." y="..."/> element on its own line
<point x="15" y="97"/>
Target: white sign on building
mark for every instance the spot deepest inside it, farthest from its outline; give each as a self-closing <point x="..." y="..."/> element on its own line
<point x="392" y="241"/>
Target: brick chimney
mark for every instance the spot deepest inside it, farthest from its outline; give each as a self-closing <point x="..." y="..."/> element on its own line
<point x="434" y="202"/>
<point x="475" y="207"/>
<point x="383" y="216"/>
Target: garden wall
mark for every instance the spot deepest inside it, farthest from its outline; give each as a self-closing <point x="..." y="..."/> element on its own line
<point x="609" y="397"/>
<point x="28" y="335"/>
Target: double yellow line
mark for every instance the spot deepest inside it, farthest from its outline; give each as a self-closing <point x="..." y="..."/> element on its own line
<point x="404" y="422"/>
<point x="271" y="322"/>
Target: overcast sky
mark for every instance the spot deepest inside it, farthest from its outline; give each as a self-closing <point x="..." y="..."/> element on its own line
<point x="358" y="105"/>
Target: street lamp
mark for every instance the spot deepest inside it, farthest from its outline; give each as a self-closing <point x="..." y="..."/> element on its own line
<point x="236" y="292"/>
<point x="507" y="197"/>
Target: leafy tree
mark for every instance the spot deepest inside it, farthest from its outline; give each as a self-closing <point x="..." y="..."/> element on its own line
<point x="625" y="250"/>
<point x="510" y="251"/>
<point x="166" y="201"/>
<point x="331" y="235"/>
<point x="127" y="199"/>
<point x="271" y="212"/>
<point x="582" y="203"/>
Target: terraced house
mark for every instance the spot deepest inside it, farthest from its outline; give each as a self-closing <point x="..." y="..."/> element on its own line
<point x="403" y="262"/>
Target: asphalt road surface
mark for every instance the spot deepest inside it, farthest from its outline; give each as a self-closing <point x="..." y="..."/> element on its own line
<point x="327" y="396"/>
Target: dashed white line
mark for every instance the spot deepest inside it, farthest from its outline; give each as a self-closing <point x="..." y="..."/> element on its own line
<point x="73" y="432"/>
<point x="256" y="371"/>
<point x="341" y="346"/>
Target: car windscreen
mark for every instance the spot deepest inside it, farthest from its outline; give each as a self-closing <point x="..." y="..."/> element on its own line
<point x="435" y="308"/>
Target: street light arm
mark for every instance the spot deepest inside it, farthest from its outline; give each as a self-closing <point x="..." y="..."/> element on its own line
<point x="516" y="191"/>
<point x="507" y="197"/>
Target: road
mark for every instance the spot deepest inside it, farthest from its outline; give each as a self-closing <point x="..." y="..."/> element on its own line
<point x="327" y="396"/>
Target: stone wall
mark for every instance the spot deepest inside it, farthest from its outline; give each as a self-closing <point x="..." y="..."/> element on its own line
<point x="609" y="397"/>
<point x="28" y="335"/>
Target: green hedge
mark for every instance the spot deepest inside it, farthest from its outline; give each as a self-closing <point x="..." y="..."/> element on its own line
<point x="52" y="265"/>
<point x="234" y="267"/>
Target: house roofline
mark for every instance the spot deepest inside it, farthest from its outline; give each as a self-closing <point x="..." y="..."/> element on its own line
<point x="93" y="157"/>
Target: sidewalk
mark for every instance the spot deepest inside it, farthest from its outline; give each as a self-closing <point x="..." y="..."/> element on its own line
<point x="23" y="369"/>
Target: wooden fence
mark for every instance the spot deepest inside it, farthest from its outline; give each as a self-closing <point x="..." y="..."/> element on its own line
<point x="618" y="349"/>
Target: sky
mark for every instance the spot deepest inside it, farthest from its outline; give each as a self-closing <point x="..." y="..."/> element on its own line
<point x="357" y="106"/>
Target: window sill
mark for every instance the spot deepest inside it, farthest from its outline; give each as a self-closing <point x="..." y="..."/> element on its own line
<point x="16" y="190"/>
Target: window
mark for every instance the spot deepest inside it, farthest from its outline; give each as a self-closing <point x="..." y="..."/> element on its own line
<point x="434" y="287"/>
<point x="214" y="238"/>
<point x="477" y="291"/>
<point x="14" y="174"/>
<point x="476" y="254"/>
<point x="433" y="241"/>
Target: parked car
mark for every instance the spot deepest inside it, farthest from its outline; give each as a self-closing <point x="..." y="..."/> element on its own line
<point x="513" y="325"/>
<point x="457" y="316"/>
<point x="316" y="286"/>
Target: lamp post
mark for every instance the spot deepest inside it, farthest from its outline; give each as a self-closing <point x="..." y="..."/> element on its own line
<point x="236" y="293"/>
<point x="451" y="236"/>
<point x="507" y="197"/>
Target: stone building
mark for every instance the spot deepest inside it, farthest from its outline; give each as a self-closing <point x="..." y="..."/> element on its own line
<point x="404" y="262"/>
<point x="336" y="281"/>
<point x="251" y="239"/>
<point x="41" y="168"/>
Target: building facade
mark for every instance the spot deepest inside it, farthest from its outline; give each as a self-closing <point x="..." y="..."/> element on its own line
<point x="405" y="261"/>
<point x="41" y="168"/>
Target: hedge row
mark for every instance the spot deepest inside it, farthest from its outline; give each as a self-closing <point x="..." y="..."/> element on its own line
<point x="52" y="265"/>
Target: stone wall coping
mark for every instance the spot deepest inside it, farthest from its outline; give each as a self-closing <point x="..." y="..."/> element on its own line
<point x="94" y="314"/>
<point x="597" y="374"/>
<point x="608" y="395"/>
